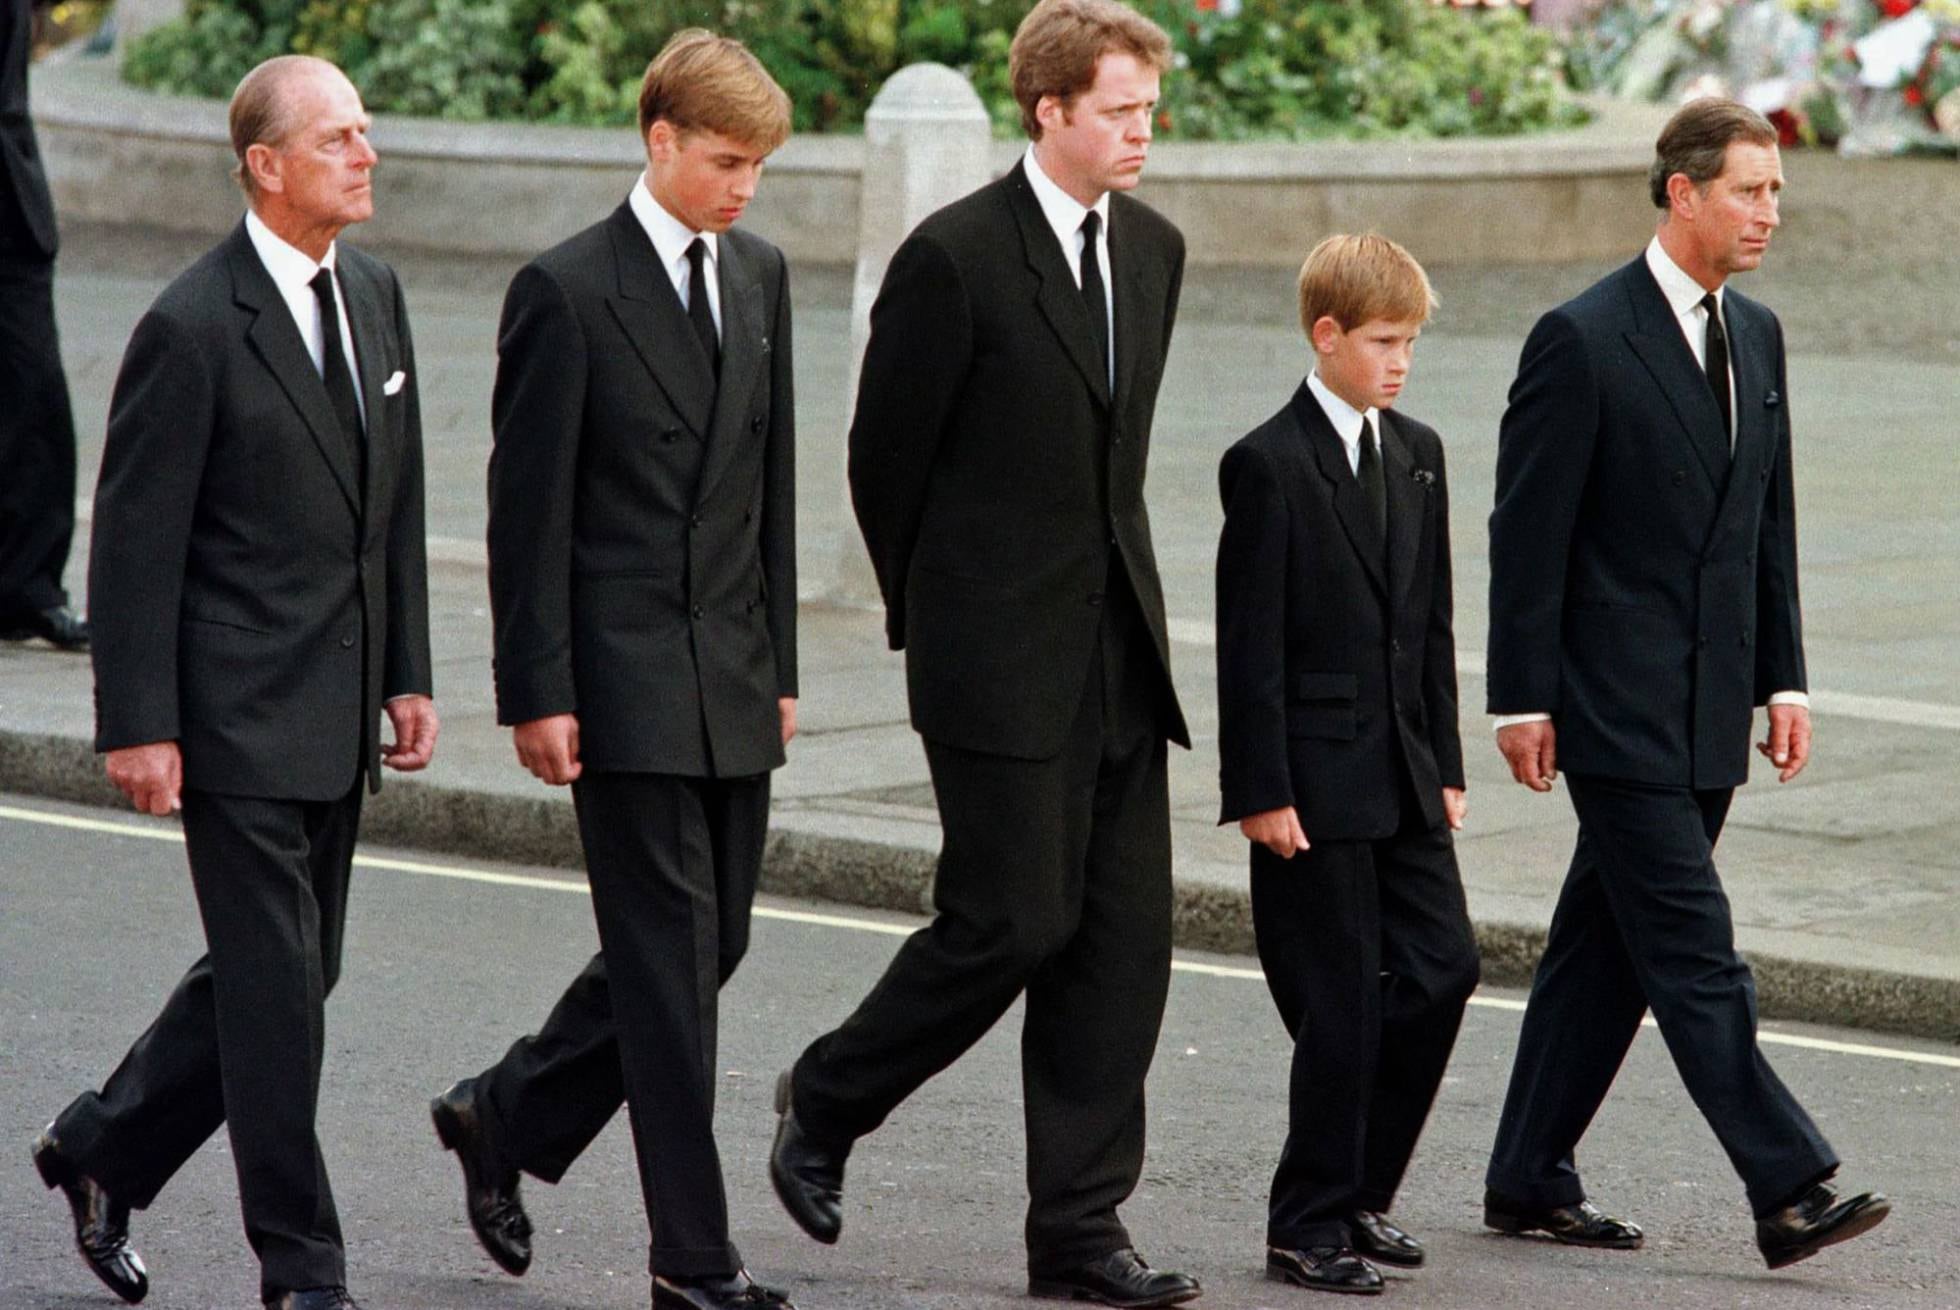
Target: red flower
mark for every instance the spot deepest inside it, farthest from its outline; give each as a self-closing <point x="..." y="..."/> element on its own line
<point x="1786" y="127"/>
<point x="1207" y="6"/>
<point x="1163" y="120"/>
<point x="1915" y="96"/>
<point x="1897" y="8"/>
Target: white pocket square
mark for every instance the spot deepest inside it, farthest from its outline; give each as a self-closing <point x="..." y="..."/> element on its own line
<point x="394" y="383"/>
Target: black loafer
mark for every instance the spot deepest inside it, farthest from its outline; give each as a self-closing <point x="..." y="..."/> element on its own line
<point x="740" y="1292"/>
<point x="1324" y="1269"/>
<point x="489" y="1186"/>
<point x="808" y="1176"/>
<point x="1376" y="1236"/>
<point x="313" y="1298"/>
<point x="57" y="625"/>
<point x="1817" y="1219"/>
<point x="1120" y="1278"/>
<point x="101" y="1222"/>
<point x="1584" y="1224"/>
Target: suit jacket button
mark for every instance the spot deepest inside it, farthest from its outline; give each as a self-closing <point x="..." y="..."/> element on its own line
<point x="755" y="423"/>
<point x="1680" y="476"/>
<point x="1095" y="598"/>
<point x="1395" y="645"/>
<point x="1762" y="475"/>
<point x="670" y="435"/>
<point x="1701" y="643"/>
<point x="699" y="612"/>
<point x="347" y="643"/>
<point x="694" y="520"/>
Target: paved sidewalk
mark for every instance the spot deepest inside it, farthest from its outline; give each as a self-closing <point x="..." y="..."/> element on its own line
<point x="1844" y="883"/>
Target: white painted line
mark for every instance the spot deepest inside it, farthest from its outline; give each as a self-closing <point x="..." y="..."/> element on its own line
<point x="854" y="924"/>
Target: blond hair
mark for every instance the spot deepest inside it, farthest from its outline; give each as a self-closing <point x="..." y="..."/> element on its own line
<point x="703" y="82"/>
<point x="1357" y="279"/>
<point x="1059" y="43"/>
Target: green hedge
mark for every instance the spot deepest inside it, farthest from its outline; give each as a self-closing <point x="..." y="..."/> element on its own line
<point x="1289" y="69"/>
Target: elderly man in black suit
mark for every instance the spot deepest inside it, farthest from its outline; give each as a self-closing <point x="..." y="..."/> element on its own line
<point x="1643" y="600"/>
<point x="996" y="468"/>
<point x="37" y="430"/>
<point x="643" y="590"/>
<point x="261" y="593"/>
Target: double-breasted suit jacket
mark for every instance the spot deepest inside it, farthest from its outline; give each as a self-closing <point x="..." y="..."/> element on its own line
<point x="1643" y="579"/>
<point x="258" y="583"/>
<point x="642" y="515"/>
<point x="997" y="480"/>
<point x="1337" y="663"/>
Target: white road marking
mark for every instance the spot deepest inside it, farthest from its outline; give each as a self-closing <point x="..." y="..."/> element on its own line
<point x="154" y="832"/>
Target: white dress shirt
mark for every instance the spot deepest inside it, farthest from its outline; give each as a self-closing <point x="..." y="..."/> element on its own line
<point x="671" y="238"/>
<point x="1065" y="214"/>
<point x="292" y="272"/>
<point x="1347" y="420"/>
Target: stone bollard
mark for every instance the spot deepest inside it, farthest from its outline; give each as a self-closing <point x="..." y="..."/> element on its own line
<point x="927" y="142"/>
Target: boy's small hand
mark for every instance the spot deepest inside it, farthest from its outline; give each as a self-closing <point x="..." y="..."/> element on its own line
<point x="1279" y="831"/>
<point x="1456" y="807"/>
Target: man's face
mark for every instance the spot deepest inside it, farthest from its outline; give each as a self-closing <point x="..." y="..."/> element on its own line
<point x="1731" y="220"/>
<point x="1098" y="142"/>
<point x="702" y="178"/>
<point x="1366" y="365"/>
<point x="322" y="172"/>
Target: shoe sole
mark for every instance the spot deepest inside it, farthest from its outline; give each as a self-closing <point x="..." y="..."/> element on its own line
<point x="1857" y="1225"/>
<point x="1512" y="1226"/>
<point x="1385" y="1258"/>
<point x="1280" y="1274"/>
<point x="56" y="1178"/>
<point x="449" y="1133"/>
<point x="786" y="1191"/>
<point x="1052" y="1291"/>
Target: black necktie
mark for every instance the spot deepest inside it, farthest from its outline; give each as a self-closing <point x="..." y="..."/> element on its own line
<point x="1715" y="359"/>
<point x="1092" y="287"/>
<point x="1368" y="472"/>
<point x="333" y="366"/>
<point x="698" y="312"/>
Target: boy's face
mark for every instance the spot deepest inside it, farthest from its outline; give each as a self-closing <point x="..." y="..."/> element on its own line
<point x="1365" y="366"/>
<point x="702" y="178"/>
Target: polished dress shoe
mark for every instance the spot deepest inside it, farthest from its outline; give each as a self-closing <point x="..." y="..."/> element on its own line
<point x="1376" y="1237"/>
<point x="101" y="1223"/>
<point x="809" y="1177"/>
<point x="1120" y="1278"/>
<point x="737" y="1293"/>
<point x="1584" y="1224"/>
<point x="489" y="1186"/>
<point x="1324" y="1269"/>
<point x="57" y="625"/>
<point x="313" y="1298"/>
<point x="1815" y="1220"/>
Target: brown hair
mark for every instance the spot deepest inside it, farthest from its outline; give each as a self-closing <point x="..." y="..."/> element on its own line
<point x="1696" y="142"/>
<point x="1356" y="279"/>
<point x="261" y="113"/>
<point x="1057" y="46"/>
<point x="700" y="81"/>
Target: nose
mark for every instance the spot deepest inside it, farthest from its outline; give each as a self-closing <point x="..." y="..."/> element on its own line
<point x="364" y="154"/>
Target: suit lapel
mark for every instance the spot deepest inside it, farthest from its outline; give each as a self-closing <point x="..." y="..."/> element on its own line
<point x="1747" y="357"/>
<point x="649" y="312"/>
<point x="1664" y="351"/>
<point x="1330" y="456"/>
<point x="1057" y="294"/>
<point x="371" y="353"/>
<point x="275" y="338"/>
<point x="744" y="348"/>
<point x="1406" y="509"/>
<point x="1128" y="273"/>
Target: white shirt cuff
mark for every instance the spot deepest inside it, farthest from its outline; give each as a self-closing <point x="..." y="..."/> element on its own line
<point x="1790" y="698"/>
<point x="1499" y="722"/>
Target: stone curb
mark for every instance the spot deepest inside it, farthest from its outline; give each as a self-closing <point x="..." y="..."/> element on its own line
<point x="488" y="825"/>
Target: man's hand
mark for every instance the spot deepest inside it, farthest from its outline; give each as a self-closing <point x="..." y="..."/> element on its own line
<point x="1788" y="744"/>
<point x="1531" y="749"/>
<point x="152" y="776"/>
<point x="548" y="747"/>
<point x="1279" y="831"/>
<point x="786" y="707"/>
<point x="414" y="721"/>
<point x="1456" y="807"/>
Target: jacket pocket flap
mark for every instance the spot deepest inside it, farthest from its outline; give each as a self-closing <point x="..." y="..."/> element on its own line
<point x="1327" y="686"/>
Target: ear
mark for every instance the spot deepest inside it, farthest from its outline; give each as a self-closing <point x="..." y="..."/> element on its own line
<point x="661" y="140"/>
<point x="264" y="165"/>
<point x="1683" y="196"/>
<point x="1325" y="334"/>
<point x="1050" y="112"/>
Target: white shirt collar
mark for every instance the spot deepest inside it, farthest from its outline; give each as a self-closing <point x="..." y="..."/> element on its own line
<point x="291" y="268"/>
<point x="1347" y="420"/>
<point x="669" y="235"/>
<point x="1682" y="291"/>
<point x="1062" y="210"/>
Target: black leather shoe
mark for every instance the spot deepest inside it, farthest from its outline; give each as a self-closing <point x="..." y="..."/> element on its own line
<point x="101" y="1223"/>
<point x="1817" y="1219"/>
<point x="1324" y="1269"/>
<point x="313" y="1298"/>
<point x="489" y="1186"/>
<point x="1376" y="1237"/>
<point x="1584" y="1224"/>
<point x="809" y="1177"/>
<point x="738" y="1293"/>
<point x="1120" y="1278"/>
<point x="57" y="625"/>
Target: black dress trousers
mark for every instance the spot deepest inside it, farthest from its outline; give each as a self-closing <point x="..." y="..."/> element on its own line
<point x="1053" y="879"/>
<point x="37" y="432"/>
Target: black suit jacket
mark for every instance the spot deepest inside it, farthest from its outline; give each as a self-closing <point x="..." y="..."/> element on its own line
<point x="250" y="598"/>
<point x="1643" y="584"/>
<point x="27" y="228"/>
<point x="995" y="478"/>
<point x="1334" y="665"/>
<point x="643" y="519"/>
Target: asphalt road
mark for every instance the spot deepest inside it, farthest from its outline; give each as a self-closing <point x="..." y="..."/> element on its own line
<point x="445" y="964"/>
